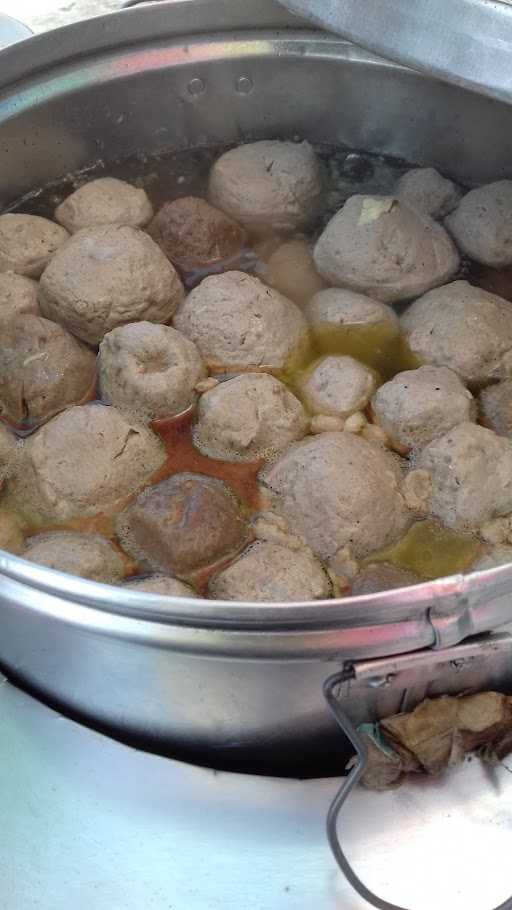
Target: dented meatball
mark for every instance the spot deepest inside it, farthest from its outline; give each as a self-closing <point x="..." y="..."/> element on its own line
<point x="382" y="576"/>
<point x="496" y="407"/>
<point x="337" y="386"/>
<point x="83" y="462"/>
<point x="183" y="524"/>
<point x="107" y="276"/>
<point x="160" y="584"/>
<point x="149" y="370"/>
<point x="105" y="201"/>
<point x="268" y="185"/>
<point x="18" y="296"/>
<point x="240" y="324"/>
<point x="86" y="555"/>
<point x="482" y="224"/>
<point x="43" y="370"/>
<point x="28" y="243"/>
<point x="379" y="246"/>
<point x="337" y="489"/>
<point x="339" y="307"/>
<point x="249" y="417"/>
<point x="270" y="572"/>
<point x="424" y="189"/>
<point x="463" y="328"/>
<point x="419" y="405"/>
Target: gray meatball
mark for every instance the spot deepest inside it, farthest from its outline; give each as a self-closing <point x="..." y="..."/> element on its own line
<point x="18" y="295"/>
<point x="43" y="370"/>
<point x="268" y="185"/>
<point x="107" y="276"/>
<point x="240" y="324"/>
<point x="339" y="307"/>
<point x="149" y="370"/>
<point x="337" y="489"/>
<point x="105" y="201"/>
<point x="482" y="224"/>
<point x="492" y="557"/>
<point x="161" y="584"/>
<point x="337" y="386"/>
<point x="83" y="462"/>
<point x="382" y="576"/>
<point x="28" y="243"/>
<point x="87" y="555"/>
<point x="183" y="524"/>
<point x="424" y="189"/>
<point x="269" y="572"/>
<point x="418" y="405"/>
<point x="471" y="472"/>
<point x="11" y="534"/>
<point x="381" y="247"/>
<point x="249" y="417"/>
<point x="496" y="407"/>
<point x="464" y="328"/>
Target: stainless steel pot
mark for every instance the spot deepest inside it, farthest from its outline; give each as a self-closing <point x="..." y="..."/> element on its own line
<point x="234" y="682"/>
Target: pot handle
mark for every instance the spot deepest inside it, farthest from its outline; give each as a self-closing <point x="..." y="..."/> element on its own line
<point x="356" y="772"/>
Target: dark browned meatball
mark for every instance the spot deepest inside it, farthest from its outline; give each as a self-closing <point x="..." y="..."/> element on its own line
<point x="183" y="523"/>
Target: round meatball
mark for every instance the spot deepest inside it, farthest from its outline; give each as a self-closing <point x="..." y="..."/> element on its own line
<point x="496" y="407"/>
<point x="105" y="201"/>
<point x="183" y="524"/>
<point x="337" y="489"/>
<point x="269" y="572"/>
<point x="11" y="534"/>
<point x="338" y="307"/>
<point x="43" y="370"/>
<point x="249" y="417"/>
<point x="27" y="243"/>
<point x="161" y="584"/>
<point x="493" y="557"/>
<point x="268" y="185"/>
<point x="87" y="555"/>
<point x="240" y="324"/>
<point x="424" y="189"/>
<point x="419" y="405"/>
<point x="382" y="576"/>
<point x="291" y="271"/>
<point x="149" y="370"/>
<point x="18" y="295"/>
<point x="471" y="472"/>
<point x="196" y="236"/>
<point x="464" y="328"/>
<point x="337" y="386"/>
<point x="83" y="462"/>
<point x="482" y="224"/>
<point x="108" y="276"/>
<point x="8" y="450"/>
<point x="381" y="247"/>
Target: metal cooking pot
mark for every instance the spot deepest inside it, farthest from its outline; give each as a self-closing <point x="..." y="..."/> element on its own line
<point x="229" y="682"/>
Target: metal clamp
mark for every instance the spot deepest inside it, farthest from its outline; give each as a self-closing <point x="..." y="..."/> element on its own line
<point x="355" y="774"/>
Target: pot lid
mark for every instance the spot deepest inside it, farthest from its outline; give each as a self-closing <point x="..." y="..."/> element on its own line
<point x="465" y="42"/>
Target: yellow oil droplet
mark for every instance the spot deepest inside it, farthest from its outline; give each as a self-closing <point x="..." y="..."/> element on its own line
<point x="431" y="551"/>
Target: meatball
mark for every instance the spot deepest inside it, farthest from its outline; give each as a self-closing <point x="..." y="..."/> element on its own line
<point x="161" y="584"/>
<point x="481" y="225"/>
<point x="464" y="328"/>
<point x="83" y="462"/>
<point x="87" y="555"/>
<point x="493" y="557"/>
<point x="268" y="185"/>
<point x="471" y="471"/>
<point x="337" y="489"/>
<point x="240" y="324"/>
<point x="27" y="243"/>
<point x="8" y="451"/>
<point x="182" y="524"/>
<point x="269" y="572"/>
<point x="338" y="307"/>
<point x="43" y="370"/>
<point x="107" y="276"/>
<point x="424" y="189"/>
<point x="381" y="247"/>
<point x="149" y="370"/>
<point x="196" y="236"/>
<point x="249" y="417"/>
<point x="382" y="576"/>
<point x="418" y="405"/>
<point x="18" y="295"/>
<point x="105" y="201"/>
<point x="337" y="386"/>
<point x="291" y="271"/>
<point x="496" y="407"/>
<point x="11" y="534"/>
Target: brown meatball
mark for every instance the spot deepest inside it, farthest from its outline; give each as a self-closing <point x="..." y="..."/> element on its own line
<point x="291" y="271"/>
<point x="18" y="295"/>
<point x="182" y="524"/>
<point x="496" y="407"/>
<point x="105" y="201"/>
<point x="43" y="370"/>
<point x="382" y="577"/>
<point x="27" y="243"/>
<point x="160" y="584"/>
<point x="11" y="535"/>
<point x="270" y="572"/>
<point x="196" y="236"/>
<point x="107" y="276"/>
<point x="87" y="555"/>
